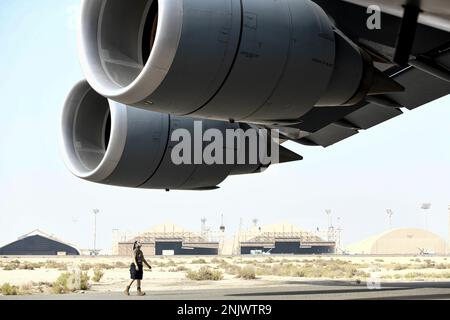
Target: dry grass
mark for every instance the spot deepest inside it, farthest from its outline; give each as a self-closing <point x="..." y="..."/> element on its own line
<point x="205" y="273"/>
<point x="25" y="289"/>
<point x="179" y="269"/>
<point x="50" y="264"/>
<point x="12" y="265"/>
<point x="98" y="275"/>
<point x="217" y="260"/>
<point x="9" y="267"/>
<point x="70" y="282"/>
<point x="256" y="268"/>
<point x="168" y="264"/>
<point x="9" y="290"/>
<point x="331" y="269"/>
<point x="198" y="261"/>
<point x="247" y="273"/>
<point x="428" y="264"/>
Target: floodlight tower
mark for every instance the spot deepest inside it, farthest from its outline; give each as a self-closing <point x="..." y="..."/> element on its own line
<point x="204" y="230"/>
<point x="115" y="244"/>
<point x="241" y="224"/>
<point x="330" y="221"/>
<point x="222" y="236"/>
<point x="390" y="213"/>
<point x="330" y="236"/>
<point x="222" y="225"/>
<point x="425" y="207"/>
<point x="338" y="234"/>
<point x="95" y="211"/>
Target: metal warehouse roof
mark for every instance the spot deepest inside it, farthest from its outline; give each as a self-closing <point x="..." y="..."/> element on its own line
<point x="400" y="241"/>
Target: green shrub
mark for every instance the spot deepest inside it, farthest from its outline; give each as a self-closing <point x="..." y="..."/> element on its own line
<point x="50" y="264"/>
<point x="204" y="273"/>
<point x="398" y="267"/>
<point x="198" y="261"/>
<point x="217" y="260"/>
<point x="86" y="266"/>
<point x="9" y="267"/>
<point x="179" y="269"/>
<point x="247" y="273"/>
<point x="12" y="265"/>
<point x="98" y="275"/>
<point x="230" y="268"/>
<point x="60" y="286"/>
<point x="9" y="290"/>
<point x="71" y="282"/>
<point x="334" y="269"/>
<point x="28" y="266"/>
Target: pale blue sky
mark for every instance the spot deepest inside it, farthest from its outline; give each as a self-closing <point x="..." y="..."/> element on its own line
<point x="397" y="165"/>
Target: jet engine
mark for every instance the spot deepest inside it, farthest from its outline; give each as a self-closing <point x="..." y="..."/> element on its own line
<point x="111" y="143"/>
<point x="254" y="61"/>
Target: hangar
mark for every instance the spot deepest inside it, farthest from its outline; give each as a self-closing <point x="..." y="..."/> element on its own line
<point x="167" y="239"/>
<point x="283" y="238"/>
<point x="406" y="241"/>
<point x="38" y="243"/>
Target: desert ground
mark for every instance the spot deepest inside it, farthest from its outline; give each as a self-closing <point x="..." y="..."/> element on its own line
<point x="84" y="275"/>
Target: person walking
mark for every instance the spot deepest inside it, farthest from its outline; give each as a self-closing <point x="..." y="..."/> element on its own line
<point x="137" y="268"/>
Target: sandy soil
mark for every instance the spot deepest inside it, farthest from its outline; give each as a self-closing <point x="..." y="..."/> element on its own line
<point x="166" y="277"/>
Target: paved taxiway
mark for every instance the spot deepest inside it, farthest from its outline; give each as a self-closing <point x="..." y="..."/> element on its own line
<point x="294" y="290"/>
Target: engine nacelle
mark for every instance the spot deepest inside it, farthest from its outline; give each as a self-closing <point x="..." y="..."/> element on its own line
<point x="111" y="143"/>
<point x="256" y="61"/>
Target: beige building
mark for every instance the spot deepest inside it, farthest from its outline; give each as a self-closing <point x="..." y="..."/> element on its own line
<point x="283" y="238"/>
<point x="166" y="239"/>
<point x="407" y="241"/>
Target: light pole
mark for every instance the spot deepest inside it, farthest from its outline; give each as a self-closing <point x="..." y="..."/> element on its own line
<point x="330" y="225"/>
<point x="338" y="236"/>
<point x="425" y="207"/>
<point x="95" y="211"/>
<point x="390" y="213"/>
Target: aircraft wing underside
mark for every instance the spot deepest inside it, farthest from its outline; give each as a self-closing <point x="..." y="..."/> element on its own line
<point x="426" y="77"/>
<point x="320" y="71"/>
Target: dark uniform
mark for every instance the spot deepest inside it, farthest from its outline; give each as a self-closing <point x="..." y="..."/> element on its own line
<point x="134" y="273"/>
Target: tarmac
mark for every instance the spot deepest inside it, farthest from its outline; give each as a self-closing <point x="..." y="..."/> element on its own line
<point x="293" y="290"/>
